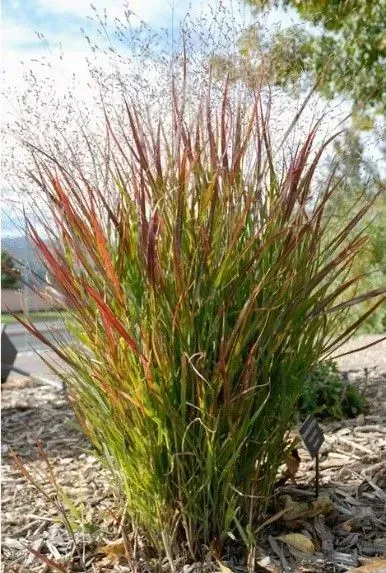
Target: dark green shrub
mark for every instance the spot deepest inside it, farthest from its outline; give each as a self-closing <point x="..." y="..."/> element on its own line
<point x="327" y="395"/>
<point x="9" y="273"/>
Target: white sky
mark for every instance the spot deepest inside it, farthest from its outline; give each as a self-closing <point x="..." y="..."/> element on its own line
<point x="60" y="21"/>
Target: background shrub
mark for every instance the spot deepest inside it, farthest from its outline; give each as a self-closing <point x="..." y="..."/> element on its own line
<point x="10" y="275"/>
<point x="327" y="395"/>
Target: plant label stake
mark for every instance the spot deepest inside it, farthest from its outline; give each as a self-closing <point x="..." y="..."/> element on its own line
<point x="8" y="355"/>
<point x="313" y="437"/>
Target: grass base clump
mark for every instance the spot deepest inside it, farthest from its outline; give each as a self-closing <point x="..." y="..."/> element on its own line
<point x="201" y="282"/>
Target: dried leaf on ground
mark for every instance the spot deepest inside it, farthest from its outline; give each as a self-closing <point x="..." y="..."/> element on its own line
<point x="292" y="463"/>
<point x="115" y="548"/>
<point x="373" y="566"/>
<point x="298" y="541"/>
<point x="298" y="511"/>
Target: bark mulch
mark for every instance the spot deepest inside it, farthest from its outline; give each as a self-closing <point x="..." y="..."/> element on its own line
<point x="346" y="526"/>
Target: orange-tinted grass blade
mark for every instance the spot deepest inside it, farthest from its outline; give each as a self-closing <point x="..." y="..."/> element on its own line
<point x="110" y="316"/>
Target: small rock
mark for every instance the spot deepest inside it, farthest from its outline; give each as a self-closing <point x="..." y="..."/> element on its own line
<point x="360" y="419"/>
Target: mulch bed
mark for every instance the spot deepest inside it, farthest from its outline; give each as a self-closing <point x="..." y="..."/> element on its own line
<point x="348" y="530"/>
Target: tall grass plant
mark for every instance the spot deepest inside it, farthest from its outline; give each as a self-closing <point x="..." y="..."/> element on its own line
<point x="202" y="285"/>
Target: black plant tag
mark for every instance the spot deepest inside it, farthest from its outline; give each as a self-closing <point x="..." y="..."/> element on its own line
<point x="312" y="435"/>
<point x="8" y="355"/>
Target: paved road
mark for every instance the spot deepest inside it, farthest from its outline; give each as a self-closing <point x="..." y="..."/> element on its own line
<point x="24" y="341"/>
<point x="370" y="357"/>
<point x="31" y="350"/>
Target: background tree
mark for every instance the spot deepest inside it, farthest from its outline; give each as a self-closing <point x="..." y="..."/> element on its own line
<point x="357" y="180"/>
<point x="346" y="41"/>
<point x="9" y="273"/>
<point x="340" y="49"/>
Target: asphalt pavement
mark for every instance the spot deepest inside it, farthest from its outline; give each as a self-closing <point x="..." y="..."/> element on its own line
<point x="24" y="341"/>
<point x="32" y="352"/>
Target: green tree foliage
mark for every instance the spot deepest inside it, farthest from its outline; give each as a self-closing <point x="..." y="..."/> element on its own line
<point x="9" y="273"/>
<point x="343" y="52"/>
<point x="279" y="60"/>
<point x="357" y="180"/>
<point x="345" y="49"/>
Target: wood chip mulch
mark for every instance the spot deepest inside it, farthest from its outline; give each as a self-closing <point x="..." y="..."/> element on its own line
<point x="349" y="534"/>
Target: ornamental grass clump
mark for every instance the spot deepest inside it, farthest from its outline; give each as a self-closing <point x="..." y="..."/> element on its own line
<point x="197" y="274"/>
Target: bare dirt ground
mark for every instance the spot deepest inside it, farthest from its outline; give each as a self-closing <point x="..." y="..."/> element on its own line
<point x="347" y="529"/>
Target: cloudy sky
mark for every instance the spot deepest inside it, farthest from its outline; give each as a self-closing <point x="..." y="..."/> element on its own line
<point x="61" y="22"/>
